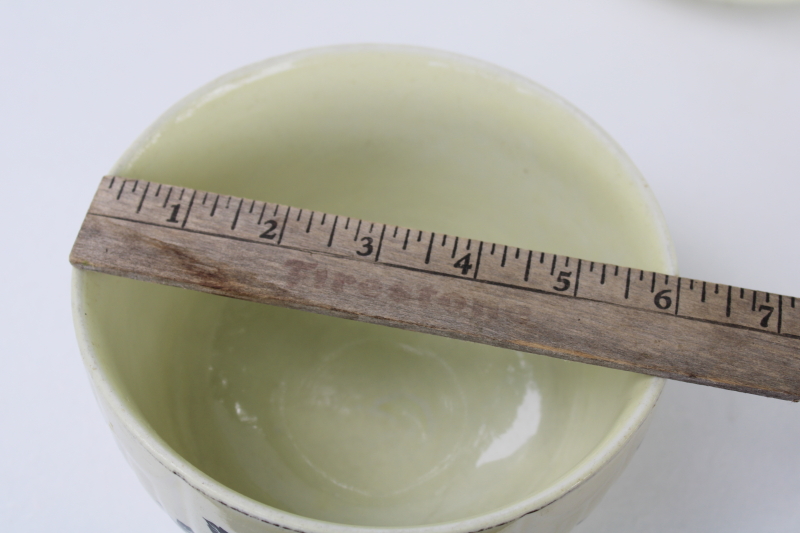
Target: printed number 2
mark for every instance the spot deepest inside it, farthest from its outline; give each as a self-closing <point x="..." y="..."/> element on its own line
<point x="270" y="233"/>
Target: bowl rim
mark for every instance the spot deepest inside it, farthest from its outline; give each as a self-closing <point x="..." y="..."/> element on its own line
<point x="139" y="429"/>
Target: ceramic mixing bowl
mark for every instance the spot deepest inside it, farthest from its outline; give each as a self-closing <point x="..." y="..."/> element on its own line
<point x="245" y="418"/>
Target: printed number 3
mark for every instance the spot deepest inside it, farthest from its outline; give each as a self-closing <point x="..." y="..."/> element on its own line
<point x="367" y="247"/>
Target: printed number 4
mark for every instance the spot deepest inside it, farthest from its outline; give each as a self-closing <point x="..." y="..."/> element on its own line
<point x="464" y="264"/>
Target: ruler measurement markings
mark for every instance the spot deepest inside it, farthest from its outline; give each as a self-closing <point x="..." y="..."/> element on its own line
<point x="759" y="313"/>
<point x="427" y="271"/>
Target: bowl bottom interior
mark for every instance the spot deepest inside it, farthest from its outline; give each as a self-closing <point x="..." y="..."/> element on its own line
<point x="345" y="421"/>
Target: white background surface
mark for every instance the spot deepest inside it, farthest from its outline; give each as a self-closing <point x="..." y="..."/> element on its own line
<point x="704" y="97"/>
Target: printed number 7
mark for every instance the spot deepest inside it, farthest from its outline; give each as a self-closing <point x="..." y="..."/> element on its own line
<point x="765" y="320"/>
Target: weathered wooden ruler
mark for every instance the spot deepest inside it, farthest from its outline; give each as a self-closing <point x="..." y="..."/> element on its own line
<point x="580" y="310"/>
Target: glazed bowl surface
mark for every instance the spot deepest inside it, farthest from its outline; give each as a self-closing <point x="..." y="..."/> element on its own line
<point x="247" y="418"/>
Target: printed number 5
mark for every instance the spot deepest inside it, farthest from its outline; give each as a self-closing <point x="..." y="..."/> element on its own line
<point x="563" y="279"/>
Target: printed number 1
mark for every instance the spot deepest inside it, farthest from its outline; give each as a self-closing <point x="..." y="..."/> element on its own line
<point x="174" y="216"/>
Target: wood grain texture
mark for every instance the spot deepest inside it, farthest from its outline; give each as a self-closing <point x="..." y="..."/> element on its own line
<point x="677" y="328"/>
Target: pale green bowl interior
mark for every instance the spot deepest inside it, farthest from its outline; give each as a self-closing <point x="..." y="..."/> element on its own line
<point x="349" y="422"/>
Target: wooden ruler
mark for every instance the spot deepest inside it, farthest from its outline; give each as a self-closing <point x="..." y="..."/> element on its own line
<point x="580" y="310"/>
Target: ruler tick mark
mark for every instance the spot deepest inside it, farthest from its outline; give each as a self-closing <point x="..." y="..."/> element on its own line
<point x="492" y="252"/>
<point x="405" y="242"/>
<point x="113" y="178"/>
<point x="766" y="296"/>
<point x="252" y="206"/>
<point x="516" y="255"/>
<point x="396" y="228"/>
<point x="333" y="229"/>
<point x="703" y="296"/>
<point x="358" y="230"/>
<point x="277" y="206"/>
<point x="158" y="190"/>
<point x="310" y="220"/>
<point x="380" y="244"/>
<point x="228" y="203"/>
<point x="653" y="283"/>
<point x="591" y="266"/>
<point x="236" y="216"/>
<point x="371" y="225"/>
<point x="261" y="216"/>
<point x="213" y="207"/>
<point x="528" y="266"/>
<point x="478" y="261"/>
<point x="754" y="301"/>
<point x="121" y="188"/>
<point x="444" y="240"/>
<point x="780" y="312"/>
<point x="180" y="198"/>
<point x="566" y="261"/>
<point x="603" y="275"/>
<point x="577" y="278"/>
<point x="135" y="184"/>
<point x="503" y="262"/>
<point x="728" y="307"/>
<point x="188" y="210"/>
<point x="628" y="284"/>
<point x="641" y="275"/>
<point x="299" y="214"/>
<point x="166" y="200"/>
<point x="139" y="208"/>
<point x="677" y="296"/>
<point x="469" y="243"/>
<point x="455" y="247"/>
<point x="616" y="270"/>
<point x="347" y="223"/>
<point x="419" y="236"/>
<point x="553" y="266"/>
<point x="430" y="245"/>
<point x="285" y="219"/>
<point x="541" y="258"/>
<point x="205" y="196"/>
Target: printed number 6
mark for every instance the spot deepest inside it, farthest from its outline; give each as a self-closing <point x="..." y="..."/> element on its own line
<point x="663" y="301"/>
